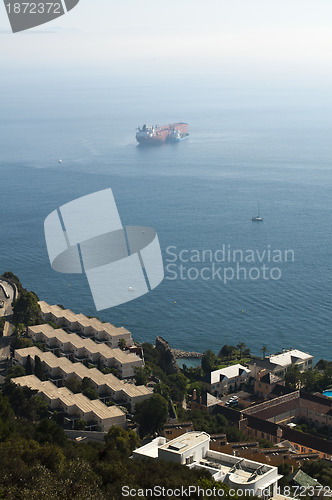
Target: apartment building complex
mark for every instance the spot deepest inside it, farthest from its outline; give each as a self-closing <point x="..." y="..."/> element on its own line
<point x="88" y="327"/>
<point x="80" y="349"/>
<point x="75" y="407"/>
<point x="109" y="387"/>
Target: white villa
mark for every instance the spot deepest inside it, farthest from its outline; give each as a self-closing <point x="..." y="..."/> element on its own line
<point x="227" y="379"/>
<point x="280" y="363"/>
<point x="192" y="449"/>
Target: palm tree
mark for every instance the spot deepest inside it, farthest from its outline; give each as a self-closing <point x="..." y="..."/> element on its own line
<point x="122" y="344"/>
<point x="264" y="350"/>
<point x="241" y="347"/>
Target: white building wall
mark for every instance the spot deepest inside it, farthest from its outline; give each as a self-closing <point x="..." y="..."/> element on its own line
<point x="193" y="454"/>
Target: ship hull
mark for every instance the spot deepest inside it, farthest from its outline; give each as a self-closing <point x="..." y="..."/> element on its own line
<point x="161" y="135"/>
<point x="178" y="139"/>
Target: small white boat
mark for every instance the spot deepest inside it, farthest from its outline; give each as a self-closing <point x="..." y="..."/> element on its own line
<point x="60" y="161"/>
<point x="257" y="218"/>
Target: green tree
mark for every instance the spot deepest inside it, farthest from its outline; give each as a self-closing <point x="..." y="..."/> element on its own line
<point x="193" y="374"/>
<point x="122" y="344"/>
<point x="73" y="384"/>
<point x="119" y="443"/>
<point x="151" y="414"/>
<point x="227" y="351"/>
<point x="6" y="411"/>
<point x="37" y="408"/>
<point x="293" y="377"/>
<point x="310" y="380"/>
<point x="141" y="376"/>
<point x="7" y="417"/>
<point x="19" y="342"/>
<point x="39" y="369"/>
<point x="25" y="402"/>
<point x="241" y="347"/>
<point x="327" y="378"/>
<point x="264" y="443"/>
<point x="209" y="361"/>
<point x="320" y="470"/>
<point x="88" y="390"/>
<point x="163" y="390"/>
<point x="196" y="386"/>
<point x="48" y="431"/>
<point x="91" y="393"/>
<point x="26" y="309"/>
<point x="28" y="366"/>
<point x="264" y="350"/>
<point x="8" y="275"/>
<point x="81" y="424"/>
<point x="2" y="326"/>
<point x="178" y="385"/>
<point x="15" y="372"/>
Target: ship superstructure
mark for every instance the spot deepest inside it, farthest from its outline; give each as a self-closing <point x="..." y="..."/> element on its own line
<point x="173" y="132"/>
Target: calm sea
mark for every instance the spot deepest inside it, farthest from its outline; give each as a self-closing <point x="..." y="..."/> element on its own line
<point x="272" y="147"/>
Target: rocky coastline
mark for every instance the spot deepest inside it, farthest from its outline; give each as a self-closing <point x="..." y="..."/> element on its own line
<point x="178" y="353"/>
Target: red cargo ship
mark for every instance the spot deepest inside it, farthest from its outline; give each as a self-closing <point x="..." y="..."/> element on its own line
<point x="174" y="132"/>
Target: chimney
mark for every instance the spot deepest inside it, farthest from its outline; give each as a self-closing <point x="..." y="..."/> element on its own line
<point x="194" y="395"/>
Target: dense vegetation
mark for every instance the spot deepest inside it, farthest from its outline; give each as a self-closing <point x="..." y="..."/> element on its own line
<point x="317" y="469"/>
<point x="317" y="380"/>
<point x="38" y="461"/>
<point x="13" y="279"/>
<point x="212" y="424"/>
<point x="227" y="355"/>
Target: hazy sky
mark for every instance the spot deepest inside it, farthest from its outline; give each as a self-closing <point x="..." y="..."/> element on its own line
<point x="271" y="35"/>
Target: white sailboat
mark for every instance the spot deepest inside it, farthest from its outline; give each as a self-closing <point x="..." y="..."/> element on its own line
<point x="257" y="218"/>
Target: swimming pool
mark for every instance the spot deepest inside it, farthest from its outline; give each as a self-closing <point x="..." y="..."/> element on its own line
<point x="328" y="393"/>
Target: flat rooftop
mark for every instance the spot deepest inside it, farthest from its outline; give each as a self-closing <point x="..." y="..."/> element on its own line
<point x="286" y="358"/>
<point x="82" y="320"/>
<point x="88" y="345"/>
<point x="69" y="398"/>
<point x="66" y="366"/>
<point x="186" y="441"/>
<point x="241" y="470"/>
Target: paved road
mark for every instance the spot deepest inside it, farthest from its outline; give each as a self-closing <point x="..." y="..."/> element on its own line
<point x="4" y="353"/>
<point x="8" y="329"/>
<point x="6" y="310"/>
